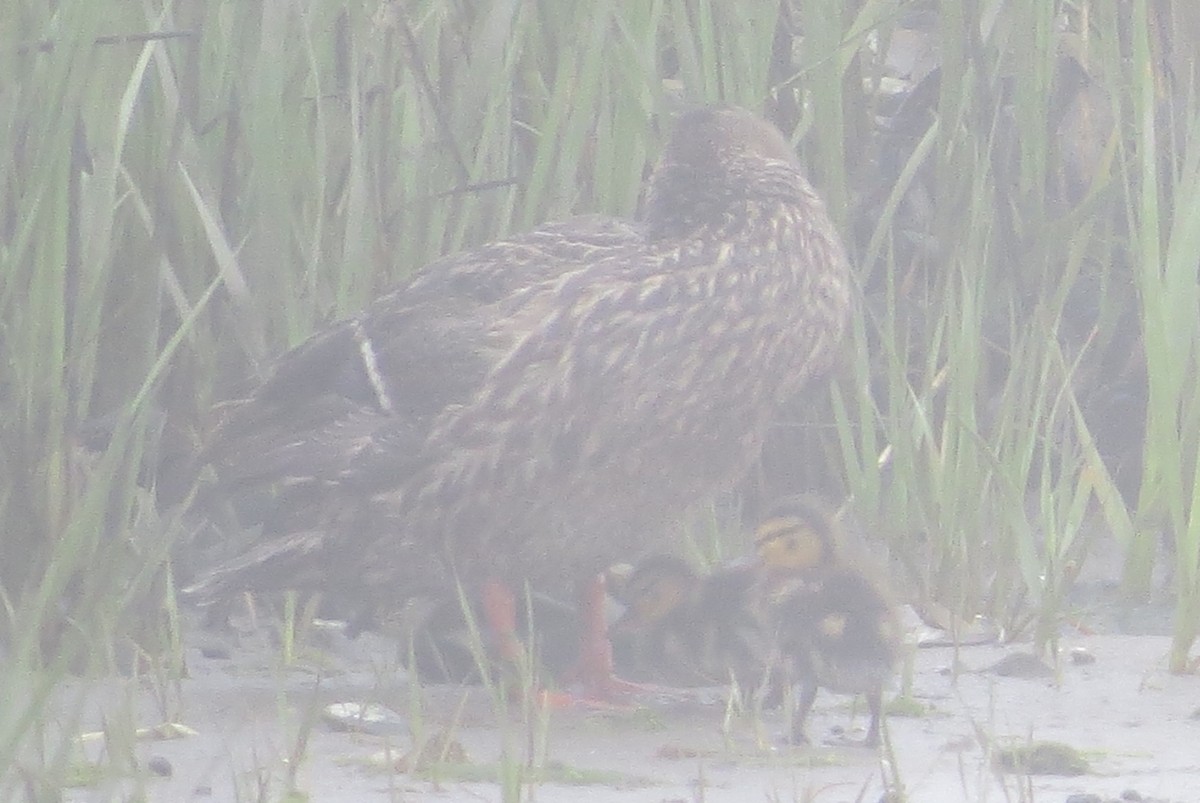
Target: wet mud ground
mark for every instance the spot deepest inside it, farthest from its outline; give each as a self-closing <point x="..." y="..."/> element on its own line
<point x="253" y="724"/>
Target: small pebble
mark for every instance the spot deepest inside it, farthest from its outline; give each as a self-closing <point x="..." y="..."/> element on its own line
<point x="1020" y="665"/>
<point x="1080" y="656"/>
<point x="1132" y="794"/>
<point x="160" y="767"/>
<point x="364" y="718"/>
<point x="215" y="652"/>
<point x="1084" y="798"/>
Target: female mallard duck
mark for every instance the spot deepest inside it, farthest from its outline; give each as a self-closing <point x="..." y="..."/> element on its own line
<point x="691" y="628"/>
<point x="834" y="625"/>
<point x="640" y="380"/>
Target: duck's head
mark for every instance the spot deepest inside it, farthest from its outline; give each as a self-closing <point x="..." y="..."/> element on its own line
<point x="716" y="159"/>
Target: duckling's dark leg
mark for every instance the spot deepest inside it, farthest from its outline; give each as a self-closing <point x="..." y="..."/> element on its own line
<point x="808" y="695"/>
<point x="875" y="704"/>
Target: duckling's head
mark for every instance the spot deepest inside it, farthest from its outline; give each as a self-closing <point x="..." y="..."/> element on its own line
<point x="657" y="587"/>
<point x="796" y="535"/>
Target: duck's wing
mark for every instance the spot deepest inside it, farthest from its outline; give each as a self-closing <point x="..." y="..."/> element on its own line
<point x="346" y="413"/>
<point x="385" y="372"/>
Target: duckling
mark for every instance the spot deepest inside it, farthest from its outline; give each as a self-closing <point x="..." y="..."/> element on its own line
<point x="834" y="625"/>
<point x="691" y="628"/>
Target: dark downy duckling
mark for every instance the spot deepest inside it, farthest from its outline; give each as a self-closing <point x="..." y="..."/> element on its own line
<point x="835" y="626"/>
<point x="690" y="628"/>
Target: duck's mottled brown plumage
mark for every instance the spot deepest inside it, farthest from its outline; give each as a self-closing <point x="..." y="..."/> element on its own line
<point x="361" y="394"/>
<point x="627" y="382"/>
<point x="345" y="413"/>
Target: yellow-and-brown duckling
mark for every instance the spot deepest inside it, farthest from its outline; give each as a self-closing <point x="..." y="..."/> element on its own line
<point x="688" y="628"/>
<point x="635" y="383"/>
<point x="834" y="624"/>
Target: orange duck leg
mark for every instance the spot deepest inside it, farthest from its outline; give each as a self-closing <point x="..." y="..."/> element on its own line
<point x="601" y="688"/>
